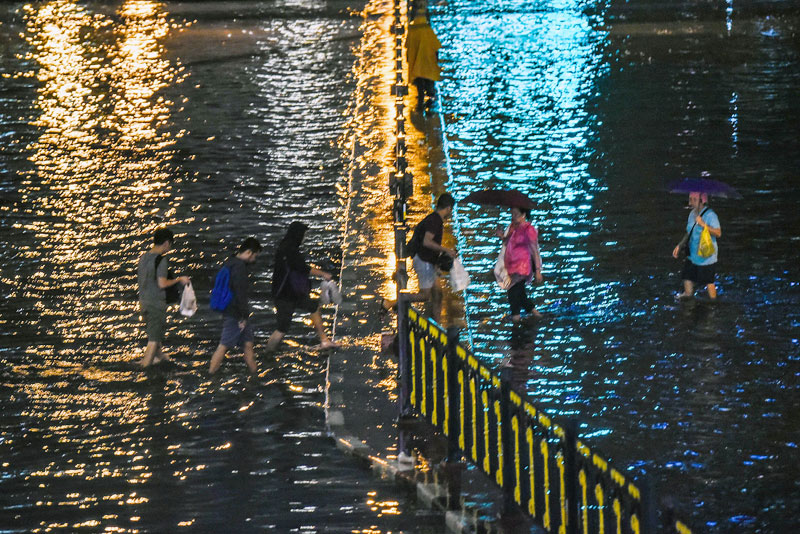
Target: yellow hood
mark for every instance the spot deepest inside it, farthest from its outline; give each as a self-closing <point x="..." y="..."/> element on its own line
<point x="422" y="45"/>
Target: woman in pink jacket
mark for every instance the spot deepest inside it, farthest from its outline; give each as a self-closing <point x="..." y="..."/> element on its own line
<point x="522" y="261"/>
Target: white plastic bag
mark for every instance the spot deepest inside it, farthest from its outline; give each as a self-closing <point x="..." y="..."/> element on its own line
<point x="188" y="301"/>
<point x="459" y="277"/>
<point x="500" y="273"/>
<point x="329" y="293"/>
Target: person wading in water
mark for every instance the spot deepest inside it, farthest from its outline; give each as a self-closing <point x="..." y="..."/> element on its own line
<point x="291" y="287"/>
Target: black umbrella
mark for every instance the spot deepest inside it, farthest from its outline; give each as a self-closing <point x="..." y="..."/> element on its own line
<point x="499" y="197"/>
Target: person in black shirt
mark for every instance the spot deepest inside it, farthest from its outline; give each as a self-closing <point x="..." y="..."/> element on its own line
<point x="237" y="329"/>
<point x="291" y="287"/>
<point x="428" y="239"/>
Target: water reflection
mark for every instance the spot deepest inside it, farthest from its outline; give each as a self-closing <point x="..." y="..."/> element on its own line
<point x="591" y="114"/>
<point x="372" y="148"/>
<point x="517" y="365"/>
<point x="516" y="118"/>
<point x="109" y="136"/>
<point x="102" y="155"/>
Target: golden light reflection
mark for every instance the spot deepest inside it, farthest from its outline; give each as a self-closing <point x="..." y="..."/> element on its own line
<point x="100" y="169"/>
<point x="101" y="159"/>
<point x="382" y="507"/>
<point x="372" y="150"/>
<point x="371" y="141"/>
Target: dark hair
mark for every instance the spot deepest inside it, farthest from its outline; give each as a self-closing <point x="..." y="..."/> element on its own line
<point x="294" y="235"/>
<point x="446" y="200"/>
<point x="163" y="234"/>
<point x="252" y="244"/>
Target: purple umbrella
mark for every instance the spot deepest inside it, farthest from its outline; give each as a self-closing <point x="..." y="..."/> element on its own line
<point x="499" y="197"/>
<point x="703" y="185"/>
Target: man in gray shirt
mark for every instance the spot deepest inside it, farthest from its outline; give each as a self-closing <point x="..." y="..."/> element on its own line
<point x="153" y="274"/>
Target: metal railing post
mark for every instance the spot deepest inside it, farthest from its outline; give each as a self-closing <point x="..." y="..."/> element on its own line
<point x="571" y="436"/>
<point x="649" y="520"/>
<point x="453" y="451"/>
<point x="404" y="404"/>
<point x="509" y="504"/>
<point x="453" y="465"/>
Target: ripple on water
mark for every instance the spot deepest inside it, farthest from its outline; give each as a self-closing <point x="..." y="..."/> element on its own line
<point x="221" y="121"/>
<point x="591" y="115"/>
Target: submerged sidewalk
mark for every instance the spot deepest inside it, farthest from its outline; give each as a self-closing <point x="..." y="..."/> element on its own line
<point x="362" y="382"/>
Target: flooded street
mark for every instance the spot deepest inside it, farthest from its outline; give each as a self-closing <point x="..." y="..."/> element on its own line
<point x="591" y="112"/>
<point x="225" y="120"/>
<point x="221" y="121"/>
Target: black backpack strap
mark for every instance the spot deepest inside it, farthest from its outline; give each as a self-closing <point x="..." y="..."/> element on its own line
<point x="695" y="223"/>
<point x="285" y="277"/>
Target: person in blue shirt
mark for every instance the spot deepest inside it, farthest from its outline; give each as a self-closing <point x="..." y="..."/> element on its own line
<point x="697" y="270"/>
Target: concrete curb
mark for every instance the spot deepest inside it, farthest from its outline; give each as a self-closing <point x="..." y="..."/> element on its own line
<point x="430" y="494"/>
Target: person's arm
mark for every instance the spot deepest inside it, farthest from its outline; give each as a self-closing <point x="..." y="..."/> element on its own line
<point x="716" y="232"/>
<point x="533" y="249"/>
<point x="313" y="271"/>
<point x="428" y="242"/>
<point x="239" y="287"/>
<point x="537" y="261"/>
<point x="162" y="274"/>
<point x="505" y="235"/>
<point x="164" y="283"/>
<point x="677" y="250"/>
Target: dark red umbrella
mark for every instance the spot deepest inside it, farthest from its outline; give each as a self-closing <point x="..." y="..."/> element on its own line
<point x="500" y="197"/>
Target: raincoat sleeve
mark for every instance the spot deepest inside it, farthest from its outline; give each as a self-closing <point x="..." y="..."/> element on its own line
<point x="533" y="245"/>
<point x="422" y="47"/>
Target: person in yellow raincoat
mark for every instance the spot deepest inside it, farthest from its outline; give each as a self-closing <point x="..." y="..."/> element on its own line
<point x="423" y="60"/>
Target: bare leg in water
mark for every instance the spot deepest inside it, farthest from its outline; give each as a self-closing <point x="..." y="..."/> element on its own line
<point x="153" y="354"/>
<point x="316" y="320"/>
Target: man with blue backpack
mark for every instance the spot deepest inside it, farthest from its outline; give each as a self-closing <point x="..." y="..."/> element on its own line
<point x="230" y="297"/>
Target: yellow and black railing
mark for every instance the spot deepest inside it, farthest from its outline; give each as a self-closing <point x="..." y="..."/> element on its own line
<point x="539" y="462"/>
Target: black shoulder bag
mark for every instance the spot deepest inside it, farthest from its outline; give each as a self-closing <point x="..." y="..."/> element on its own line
<point x="172" y="293"/>
<point x="299" y="283"/>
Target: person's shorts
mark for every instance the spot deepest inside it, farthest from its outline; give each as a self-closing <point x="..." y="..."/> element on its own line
<point x="426" y="273"/>
<point x="232" y="335"/>
<point x="286" y="308"/>
<point x="701" y="275"/>
<point x="155" y="323"/>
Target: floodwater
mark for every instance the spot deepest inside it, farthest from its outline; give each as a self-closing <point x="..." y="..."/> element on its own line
<point x="225" y="120"/>
<point x="591" y="109"/>
<point x="221" y="120"/>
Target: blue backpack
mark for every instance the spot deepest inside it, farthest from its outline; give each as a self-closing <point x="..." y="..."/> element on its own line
<point x="222" y="295"/>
